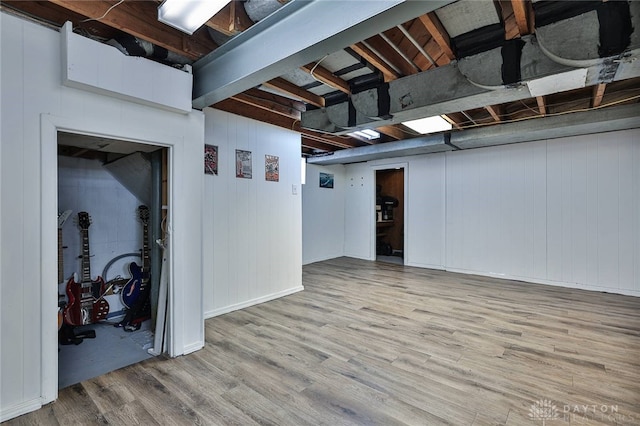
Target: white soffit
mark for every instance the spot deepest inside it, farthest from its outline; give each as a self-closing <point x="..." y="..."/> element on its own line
<point x="562" y="82"/>
<point x="467" y="15"/>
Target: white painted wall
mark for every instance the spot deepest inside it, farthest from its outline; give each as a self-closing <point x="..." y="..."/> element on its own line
<point x="252" y="227"/>
<point x="563" y="212"/>
<point x="34" y="106"/>
<point x="323" y="216"/>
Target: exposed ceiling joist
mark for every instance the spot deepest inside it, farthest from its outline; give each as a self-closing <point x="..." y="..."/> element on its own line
<point x="270" y="102"/>
<point x="541" y="105"/>
<point x="598" y="94"/>
<point x="380" y="64"/>
<point x="297" y="92"/>
<point x="495" y="111"/>
<point x="325" y="76"/>
<point x="439" y="34"/>
<point x="523" y="14"/>
<point x="231" y="20"/>
<point x="394" y="132"/>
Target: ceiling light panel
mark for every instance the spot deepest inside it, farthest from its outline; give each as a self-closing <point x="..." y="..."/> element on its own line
<point x="188" y="15"/>
<point x="429" y="125"/>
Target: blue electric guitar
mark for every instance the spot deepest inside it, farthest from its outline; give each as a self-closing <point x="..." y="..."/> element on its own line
<point x="139" y="274"/>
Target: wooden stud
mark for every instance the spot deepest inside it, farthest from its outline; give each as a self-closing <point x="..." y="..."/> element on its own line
<point x="439" y="34"/>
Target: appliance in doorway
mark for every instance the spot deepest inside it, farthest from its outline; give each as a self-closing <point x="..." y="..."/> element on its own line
<point x="390" y="215"/>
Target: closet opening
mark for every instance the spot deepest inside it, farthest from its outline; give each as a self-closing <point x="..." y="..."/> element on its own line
<point x="389" y="217"/>
<point x="112" y="205"/>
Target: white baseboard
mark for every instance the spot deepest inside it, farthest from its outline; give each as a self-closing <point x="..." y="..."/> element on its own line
<point x="7" y="413"/>
<point x="251" y="302"/>
<point x="192" y="347"/>
<point x="623" y="292"/>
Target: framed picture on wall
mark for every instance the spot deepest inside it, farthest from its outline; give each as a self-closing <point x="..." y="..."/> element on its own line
<point x="326" y="180"/>
<point x="211" y="159"/>
<point x="244" y="168"/>
<point x="271" y="168"/>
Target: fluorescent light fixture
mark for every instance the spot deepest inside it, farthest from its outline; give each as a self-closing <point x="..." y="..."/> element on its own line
<point x="429" y="124"/>
<point x="188" y="15"/>
<point x="366" y="134"/>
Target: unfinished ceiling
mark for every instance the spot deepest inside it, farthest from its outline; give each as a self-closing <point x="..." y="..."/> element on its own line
<point x="327" y="68"/>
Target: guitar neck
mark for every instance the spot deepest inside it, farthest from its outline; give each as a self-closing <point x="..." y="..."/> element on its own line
<point x="86" y="264"/>
<point x="60" y="257"/>
<point x="146" y="261"/>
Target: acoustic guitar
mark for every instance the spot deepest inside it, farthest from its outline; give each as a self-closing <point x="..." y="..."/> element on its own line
<point x="86" y="302"/>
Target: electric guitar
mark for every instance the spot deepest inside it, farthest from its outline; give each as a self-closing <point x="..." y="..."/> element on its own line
<point x="62" y="218"/>
<point x="86" y="304"/>
<point x="139" y="275"/>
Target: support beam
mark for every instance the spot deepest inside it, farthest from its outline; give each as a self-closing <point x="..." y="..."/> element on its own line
<point x="394" y="132"/>
<point x="325" y="76"/>
<point x="522" y="13"/>
<point x="242" y="62"/>
<point x="378" y="63"/>
<point x="451" y="121"/>
<point x="231" y="20"/>
<point x="598" y="94"/>
<point x="541" y="105"/>
<point x="439" y="34"/>
<point x="297" y="92"/>
<point x="495" y="112"/>
<point x="269" y="102"/>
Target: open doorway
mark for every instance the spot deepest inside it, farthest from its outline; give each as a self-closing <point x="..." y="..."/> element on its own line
<point x="390" y="215"/>
<point x="110" y="198"/>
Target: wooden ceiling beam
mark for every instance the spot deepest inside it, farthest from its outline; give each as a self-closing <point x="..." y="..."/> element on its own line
<point x="523" y="13"/>
<point x="139" y="18"/>
<point x="327" y="77"/>
<point x="380" y="64"/>
<point x="297" y="92"/>
<point x="451" y="121"/>
<point x="495" y="111"/>
<point x="254" y="98"/>
<point x="598" y="94"/>
<point x="542" y="107"/>
<point x="314" y="144"/>
<point x="439" y="34"/>
<point x="231" y="20"/>
<point x="394" y="132"/>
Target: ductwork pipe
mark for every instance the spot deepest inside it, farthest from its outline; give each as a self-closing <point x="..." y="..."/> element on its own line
<point x="134" y="46"/>
<point x="260" y="9"/>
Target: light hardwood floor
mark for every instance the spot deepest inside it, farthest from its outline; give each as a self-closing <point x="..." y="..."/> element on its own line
<point x="382" y="344"/>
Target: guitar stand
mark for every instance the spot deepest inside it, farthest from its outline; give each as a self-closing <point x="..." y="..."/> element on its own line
<point x="67" y="336"/>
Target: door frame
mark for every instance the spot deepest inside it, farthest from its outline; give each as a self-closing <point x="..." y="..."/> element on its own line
<point x="390" y="166"/>
<point x="50" y="126"/>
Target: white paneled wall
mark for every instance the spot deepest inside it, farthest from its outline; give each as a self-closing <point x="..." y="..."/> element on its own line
<point x="34" y="105"/>
<point x="252" y="228"/>
<point x="323" y="214"/>
<point x="563" y="212"/>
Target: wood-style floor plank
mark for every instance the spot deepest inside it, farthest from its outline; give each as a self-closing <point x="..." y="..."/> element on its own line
<point x="371" y="343"/>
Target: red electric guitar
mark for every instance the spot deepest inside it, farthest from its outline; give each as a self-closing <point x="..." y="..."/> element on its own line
<point x="86" y="304"/>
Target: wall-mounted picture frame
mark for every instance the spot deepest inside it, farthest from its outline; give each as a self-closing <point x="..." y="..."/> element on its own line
<point x="211" y="159"/>
<point x="271" y="168"/>
<point x="326" y="180"/>
<point x="244" y="168"/>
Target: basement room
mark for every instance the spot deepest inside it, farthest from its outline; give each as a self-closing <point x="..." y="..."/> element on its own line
<point x="304" y="212"/>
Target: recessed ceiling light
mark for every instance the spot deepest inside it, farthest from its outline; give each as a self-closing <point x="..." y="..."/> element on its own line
<point x="188" y="15"/>
<point x="429" y="124"/>
<point x="366" y="134"/>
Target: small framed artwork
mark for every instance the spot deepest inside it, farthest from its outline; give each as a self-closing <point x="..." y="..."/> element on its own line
<point x="244" y="168"/>
<point x="326" y="180"/>
<point x="211" y="159"/>
<point x="271" y="168"/>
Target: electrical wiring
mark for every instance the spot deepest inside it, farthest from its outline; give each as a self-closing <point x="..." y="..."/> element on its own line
<point x="105" y="14"/>
<point x="314" y="68"/>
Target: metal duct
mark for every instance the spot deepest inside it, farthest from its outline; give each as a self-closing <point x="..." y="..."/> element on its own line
<point x="133" y="46"/>
<point x="260" y="9"/>
<point x="134" y="173"/>
<point x="534" y="67"/>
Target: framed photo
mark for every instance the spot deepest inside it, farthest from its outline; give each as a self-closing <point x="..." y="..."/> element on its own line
<point x="271" y="168"/>
<point x="211" y="159"/>
<point x="326" y="180"/>
<point x="244" y="168"/>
